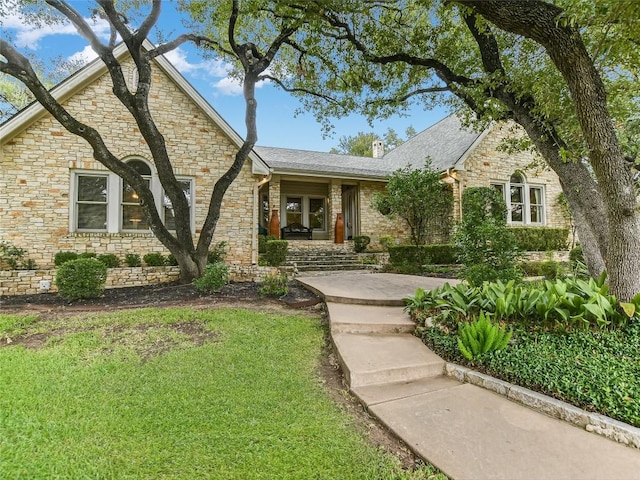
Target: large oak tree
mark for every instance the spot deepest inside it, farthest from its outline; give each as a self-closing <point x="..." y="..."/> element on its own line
<point x="525" y="60"/>
<point x="251" y="53"/>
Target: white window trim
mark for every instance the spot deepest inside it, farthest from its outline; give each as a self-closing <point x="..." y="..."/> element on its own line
<point x="114" y="200"/>
<point x="305" y="209"/>
<point x="506" y="190"/>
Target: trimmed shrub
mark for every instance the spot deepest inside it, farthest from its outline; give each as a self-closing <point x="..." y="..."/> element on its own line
<point x="549" y="269"/>
<point x="109" y="259"/>
<point x="274" y="286"/>
<point x="386" y="242"/>
<point x="444" y="254"/>
<point x="81" y="278"/>
<point x="170" y="261"/>
<point x="63" y="257"/>
<point x="215" y="276"/>
<point x="276" y="253"/>
<point x="360" y="243"/>
<point x="217" y="253"/>
<point x="87" y="255"/>
<point x="132" y="260"/>
<point x="154" y="259"/>
<point x="540" y="239"/>
<point x="262" y="242"/>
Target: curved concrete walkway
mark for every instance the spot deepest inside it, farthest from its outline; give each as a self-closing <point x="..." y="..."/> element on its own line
<point x="466" y="431"/>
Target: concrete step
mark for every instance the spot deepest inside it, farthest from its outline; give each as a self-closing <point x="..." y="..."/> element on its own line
<point x="329" y="267"/>
<point x="371" y="395"/>
<point x="349" y="318"/>
<point x="378" y="359"/>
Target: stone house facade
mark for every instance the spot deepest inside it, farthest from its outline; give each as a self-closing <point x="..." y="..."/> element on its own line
<point x="55" y="197"/>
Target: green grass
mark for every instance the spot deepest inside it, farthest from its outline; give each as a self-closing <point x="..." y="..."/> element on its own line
<point x="595" y="370"/>
<point x="129" y="395"/>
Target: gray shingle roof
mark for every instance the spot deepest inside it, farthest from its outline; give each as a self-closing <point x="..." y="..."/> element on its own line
<point x="445" y="143"/>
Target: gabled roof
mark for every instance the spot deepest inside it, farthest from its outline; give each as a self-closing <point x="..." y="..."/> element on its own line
<point x="97" y="68"/>
<point x="447" y="143"/>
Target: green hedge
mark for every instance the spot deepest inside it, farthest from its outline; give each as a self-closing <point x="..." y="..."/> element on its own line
<point x="81" y="278"/>
<point x="434" y="254"/>
<point x="540" y="239"/>
<point x="276" y="252"/>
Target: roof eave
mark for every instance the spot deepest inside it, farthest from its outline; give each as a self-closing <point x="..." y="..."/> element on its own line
<point x="322" y="174"/>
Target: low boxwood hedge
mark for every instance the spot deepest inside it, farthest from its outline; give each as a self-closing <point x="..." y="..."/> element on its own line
<point x="444" y="254"/>
<point x="540" y="239"/>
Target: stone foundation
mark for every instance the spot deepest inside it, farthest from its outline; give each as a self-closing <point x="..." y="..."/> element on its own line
<point x="25" y="282"/>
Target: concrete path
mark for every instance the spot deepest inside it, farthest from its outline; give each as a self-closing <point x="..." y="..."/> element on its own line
<point x="466" y="431"/>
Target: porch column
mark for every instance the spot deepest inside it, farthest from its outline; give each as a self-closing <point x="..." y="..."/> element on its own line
<point x="335" y="205"/>
<point x="274" y="196"/>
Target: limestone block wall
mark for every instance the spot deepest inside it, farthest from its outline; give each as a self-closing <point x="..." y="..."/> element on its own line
<point x="374" y="224"/>
<point x="37" y="166"/>
<point x="486" y="163"/>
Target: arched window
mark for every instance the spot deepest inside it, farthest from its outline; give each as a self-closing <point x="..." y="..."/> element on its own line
<point x="133" y="217"/>
<point x="525" y="202"/>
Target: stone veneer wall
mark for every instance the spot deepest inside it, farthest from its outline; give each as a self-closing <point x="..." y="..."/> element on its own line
<point x="36" y="167"/>
<point x="23" y="282"/>
<point x="373" y="223"/>
<point x="486" y="163"/>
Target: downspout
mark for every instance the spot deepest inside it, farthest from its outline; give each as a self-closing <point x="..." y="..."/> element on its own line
<point x="256" y="221"/>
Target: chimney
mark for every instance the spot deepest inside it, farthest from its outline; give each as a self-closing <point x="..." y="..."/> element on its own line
<point x="378" y="149"/>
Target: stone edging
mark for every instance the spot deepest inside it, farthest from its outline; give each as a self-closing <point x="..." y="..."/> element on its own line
<point x="592" y="422"/>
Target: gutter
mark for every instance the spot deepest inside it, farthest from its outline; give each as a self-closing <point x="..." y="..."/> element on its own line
<point x="254" y="227"/>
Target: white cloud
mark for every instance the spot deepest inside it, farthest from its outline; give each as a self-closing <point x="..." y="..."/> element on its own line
<point x="84" y="56"/>
<point x="29" y="35"/>
<point x="215" y="67"/>
<point x="228" y="86"/>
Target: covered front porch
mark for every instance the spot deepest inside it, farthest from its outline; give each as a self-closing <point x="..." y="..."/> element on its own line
<point x="329" y="207"/>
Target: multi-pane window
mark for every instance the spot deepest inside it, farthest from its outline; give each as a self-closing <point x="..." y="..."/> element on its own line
<point x="525" y="203"/>
<point x="102" y="201"/>
<point x="294" y="210"/>
<point x="169" y="212"/>
<point x="317" y="213"/>
<point x="91" y="202"/>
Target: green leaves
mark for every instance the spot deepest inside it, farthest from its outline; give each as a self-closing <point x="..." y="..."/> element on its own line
<point x="480" y="337"/>
<point x="560" y="305"/>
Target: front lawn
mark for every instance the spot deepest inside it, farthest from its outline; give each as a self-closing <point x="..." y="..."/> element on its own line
<point x="176" y="393"/>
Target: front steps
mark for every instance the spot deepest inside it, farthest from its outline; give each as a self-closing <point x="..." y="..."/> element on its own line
<point x="327" y="260"/>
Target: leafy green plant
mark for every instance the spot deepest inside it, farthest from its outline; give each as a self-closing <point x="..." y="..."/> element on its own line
<point x="548" y="269"/>
<point x="109" y="259"/>
<point x="170" y="260"/>
<point x="262" y="242"/>
<point x="274" y="285"/>
<point x="132" y="260"/>
<point x="215" y="276"/>
<point x="540" y="239"/>
<point x="62" y="257"/>
<point x="15" y="258"/>
<point x="480" y="337"/>
<point x="486" y="247"/>
<point x="276" y="252"/>
<point x="386" y="241"/>
<point x="87" y="255"/>
<point x="81" y="278"/>
<point x="360" y="243"/>
<point x="154" y="259"/>
<point x="217" y="253"/>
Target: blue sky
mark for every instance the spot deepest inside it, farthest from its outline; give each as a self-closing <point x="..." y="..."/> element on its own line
<point x="277" y="124"/>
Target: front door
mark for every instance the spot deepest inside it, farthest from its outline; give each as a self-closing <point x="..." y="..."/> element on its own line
<point x="350" y="211"/>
